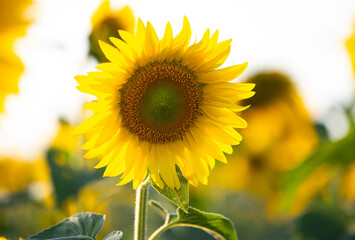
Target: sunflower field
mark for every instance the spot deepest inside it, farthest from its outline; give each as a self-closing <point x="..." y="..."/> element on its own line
<point x="171" y="120"/>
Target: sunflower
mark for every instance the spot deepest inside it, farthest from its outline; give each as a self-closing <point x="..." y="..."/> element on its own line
<point x="348" y="182"/>
<point x="315" y="184"/>
<point x="162" y="104"/>
<point x="279" y="137"/>
<point x="350" y="44"/>
<point x="35" y="178"/>
<point x="64" y="140"/>
<point x="12" y="26"/>
<point x="105" y="24"/>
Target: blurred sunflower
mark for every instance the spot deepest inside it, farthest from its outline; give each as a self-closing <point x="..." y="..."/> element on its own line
<point x="67" y="147"/>
<point x="69" y="171"/>
<point x="35" y="178"/>
<point x="348" y="179"/>
<point x="106" y="23"/>
<point x="348" y="182"/>
<point x="13" y="24"/>
<point x="98" y="197"/>
<point x="312" y="186"/>
<point x="64" y="140"/>
<point x="280" y="135"/>
<point x="163" y="103"/>
<point x="350" y="44"/>
<point x="4" y="238"/>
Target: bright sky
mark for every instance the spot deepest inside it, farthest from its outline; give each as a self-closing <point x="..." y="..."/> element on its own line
<point x="304" y="39"/>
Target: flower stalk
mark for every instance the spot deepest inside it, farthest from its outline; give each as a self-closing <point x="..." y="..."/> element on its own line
<point x="141" y="211"/>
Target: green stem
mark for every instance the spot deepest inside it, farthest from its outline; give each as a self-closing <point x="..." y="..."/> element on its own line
<point x="141" y="211"/>
<point x="159" y="231"/>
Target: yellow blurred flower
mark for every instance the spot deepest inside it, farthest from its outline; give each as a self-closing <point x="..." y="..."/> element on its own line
<point x="106" y="23"/>
<point x="4" y="238"/>
<point x="98" y="197"/>
<point x="95" y="197"/>
<point x="162" y="104"/>
<point x="90" y="198"/>
<point x="29" y="172"/>
<point x="33" y="177"/>
<point x="280" y="135"/>
<point x="64" y="139"/>
<point x="350" y="44"/>
<point x="348" y="182"/>
<point x="67" y="148"/>
<point x="13" y="23"/>
<point x="314" y="184"/>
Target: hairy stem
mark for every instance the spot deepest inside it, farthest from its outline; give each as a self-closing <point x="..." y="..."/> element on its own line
<point x="141" y="211"/>
<point x="159" y="231"/>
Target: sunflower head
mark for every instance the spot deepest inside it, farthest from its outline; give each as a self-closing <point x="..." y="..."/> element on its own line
<point x="279" y="137"/>
<point x="163" y="103"/>
<point x="160" y="101"/>
<point x="106" y="23"/>
<point x="279" y="123"/>
<point x="272" y="86"/>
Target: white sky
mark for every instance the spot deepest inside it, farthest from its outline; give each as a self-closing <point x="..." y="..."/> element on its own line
<point x="304" y="39"/>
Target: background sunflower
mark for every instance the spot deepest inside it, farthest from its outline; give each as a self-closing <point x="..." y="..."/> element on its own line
<point x="13" y="24"/>
<point x="105" y="23"/>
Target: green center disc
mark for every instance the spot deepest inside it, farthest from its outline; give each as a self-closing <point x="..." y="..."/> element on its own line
<point x="160" y="101"/>
<point x="162" y="105"/>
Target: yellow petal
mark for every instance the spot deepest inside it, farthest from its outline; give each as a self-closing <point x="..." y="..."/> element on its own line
<point x="153" y="167"/>
<point x="164" y="162"/>
<point x="132" y="41"/>
<point x="152" y="40"/>
<point x="91" y="123"/>
<point x="223" y="75"/>
<point x="113" y="55"/>
<point x="224" y="117"/>
<point x="209" y="146"/>
<point x="116" y="165"/>
<point x="124" y="48"/>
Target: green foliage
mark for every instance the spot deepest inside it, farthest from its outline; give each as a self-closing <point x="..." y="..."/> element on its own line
<point x="83" y="226"/>
<point x="67" y="181"/>
<point x="218" y="226"/>
<point x="323" y="222"/>
<point x="169" y="215"/>
<point x="115" y="235"/>
<point x="335" y="154"/>
<point x="179" y="197"/>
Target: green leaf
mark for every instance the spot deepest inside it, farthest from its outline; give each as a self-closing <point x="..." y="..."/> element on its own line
<point x="115" y="235"/>
<point x="179" y="197"/>
<point x="218" y="226"/>
<point x="79" y="226"/>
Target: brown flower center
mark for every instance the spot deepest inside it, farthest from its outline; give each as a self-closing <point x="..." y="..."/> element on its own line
<point x="160" y="101"/>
